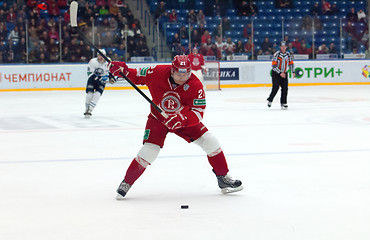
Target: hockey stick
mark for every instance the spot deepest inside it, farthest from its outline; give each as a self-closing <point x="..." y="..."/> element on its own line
<point x="73" y="20"/>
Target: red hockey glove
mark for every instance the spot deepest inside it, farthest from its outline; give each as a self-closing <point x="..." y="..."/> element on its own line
<point x="116" y="67"/>
<point x="175" y="122"/>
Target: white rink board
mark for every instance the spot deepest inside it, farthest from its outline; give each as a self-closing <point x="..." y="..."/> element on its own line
<point x="232" y="73"/>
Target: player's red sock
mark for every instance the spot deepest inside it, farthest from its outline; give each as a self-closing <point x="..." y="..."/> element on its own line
<point x="219" y="164"/>
<point x="133" y="172"/>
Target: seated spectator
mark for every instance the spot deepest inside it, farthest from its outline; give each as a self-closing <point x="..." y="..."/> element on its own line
<point x="334" y="9"/>
<point x="239" y="48"/>
<point x="244" y="9"/>
<point x="175" y="40"/>
<point x="283" y="3"/>
<point x="201" y="19"/>
<point x="306" y="23"/>
<point x="349" y="30"/>
<point x="14" y="35"/>
<point x="286" y="39"/>
<point x="172" y="16"/>
<point x="323" y="49"/>
<point x="53" y="33"/>
<point x="201" y="29"/>
<point x="160" y="11"/>
<point x="296" y="44"/>
<point x="214" y="51"/>
<point x="125" y="10"/>
<point x="121" y="51"/>
<point x="221" y="46"/>
<point x="249" y="46"/>
<point x="44" y="37"/>
<point x="303" y="42"/>
<point x="333" y="49"/>
<point x="11" y="17"/>
<point x="114" y="9"/>
<point x="315" y="10"/>
<point x="253" y="9"/>
<point x="53" y="9"/>
<point x="354" y="50"/>
<point x="131" y="48"/>
<point x="196" y="38"/>
<point x="113" y="25"/>
<point x="247" y="31"/>
<point x="229" y="47"/>
<point x="103" y="11"/>
<point x="192" y="17"/>
<point x="225" y="25"/>
<point x="31" y="4"/>
<point x="361" y="16"/>
<point x="275" y="47"/>
<point x="218" y="32"/>
<point x="290" y="49"/>
<point x="3" y="31"/>
<point x="266" y="46"/>
<point x="325" y="7"/>
<point x="183" y="33"/>
<point x="142" y="49"/>
<point x="352" y="16"/>
<point x="100" y="3"/>
<point x="141" y="37"/>
<point x="2" y="15"/>
<point x="305" y="50"/>
<point x="178" y="50"/>
<point x="62" y="4"/>
<point x="352" y="43"/>
<point x="205" y="37"/>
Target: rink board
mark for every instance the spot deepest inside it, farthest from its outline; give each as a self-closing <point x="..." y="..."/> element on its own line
<point x="232" y="74"/>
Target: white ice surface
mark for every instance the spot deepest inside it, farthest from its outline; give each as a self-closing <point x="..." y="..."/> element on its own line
<point x="305" y="171"/>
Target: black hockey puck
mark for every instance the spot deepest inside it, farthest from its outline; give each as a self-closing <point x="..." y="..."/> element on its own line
<point x="184" y="206"/>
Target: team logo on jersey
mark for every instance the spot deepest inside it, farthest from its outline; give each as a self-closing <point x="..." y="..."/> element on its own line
<point x="171" y="102"/>
<point x="99" y="71"/>
<point x="186" y="87"/>
<point x="196" y="61"/>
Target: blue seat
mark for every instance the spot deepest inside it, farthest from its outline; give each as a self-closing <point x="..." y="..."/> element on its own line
<point x="231" y="12"/>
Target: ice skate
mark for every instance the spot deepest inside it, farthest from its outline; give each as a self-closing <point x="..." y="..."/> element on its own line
<point x="228" y="185"/>
<point x="284" y="106"/>
<point x="122" y="190"/>
<point x="87" y="113"/>
<point x="269" y="104"/>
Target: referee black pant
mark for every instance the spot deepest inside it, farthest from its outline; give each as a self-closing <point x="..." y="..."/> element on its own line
<point x="277" y="81"/>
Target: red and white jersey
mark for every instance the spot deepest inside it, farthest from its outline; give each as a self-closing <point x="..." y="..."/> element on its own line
<point x="187" y="99"/>
<point x="197" y="61"/>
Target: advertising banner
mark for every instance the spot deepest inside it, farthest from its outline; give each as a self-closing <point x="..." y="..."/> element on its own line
<point x="232" y="74"/>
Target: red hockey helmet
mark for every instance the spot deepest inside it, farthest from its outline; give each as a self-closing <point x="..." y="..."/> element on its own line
<point x="181" y="64"/>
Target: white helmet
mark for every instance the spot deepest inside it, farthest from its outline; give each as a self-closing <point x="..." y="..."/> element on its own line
<point x="103" y="51"/>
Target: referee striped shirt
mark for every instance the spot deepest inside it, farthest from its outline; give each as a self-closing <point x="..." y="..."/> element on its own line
<point x="281" y="62"/>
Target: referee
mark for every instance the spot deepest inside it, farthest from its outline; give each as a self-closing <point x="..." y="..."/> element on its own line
<point x="280" y="63"/>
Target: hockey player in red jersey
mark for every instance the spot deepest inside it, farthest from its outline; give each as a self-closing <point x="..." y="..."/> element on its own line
<point x="180" y="94"/>
<point x="197" y="65"/>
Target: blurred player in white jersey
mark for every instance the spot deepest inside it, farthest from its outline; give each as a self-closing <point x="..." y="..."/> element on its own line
<point x="180" y="94"/>
<point x="98" y="75"/>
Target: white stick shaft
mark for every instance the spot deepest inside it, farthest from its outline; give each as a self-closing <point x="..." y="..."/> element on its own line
<point x="73" y="13"/>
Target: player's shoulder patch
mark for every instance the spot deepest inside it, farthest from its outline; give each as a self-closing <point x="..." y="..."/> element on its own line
<point x="142" y="72"/>
<point x="199" y="102"/>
